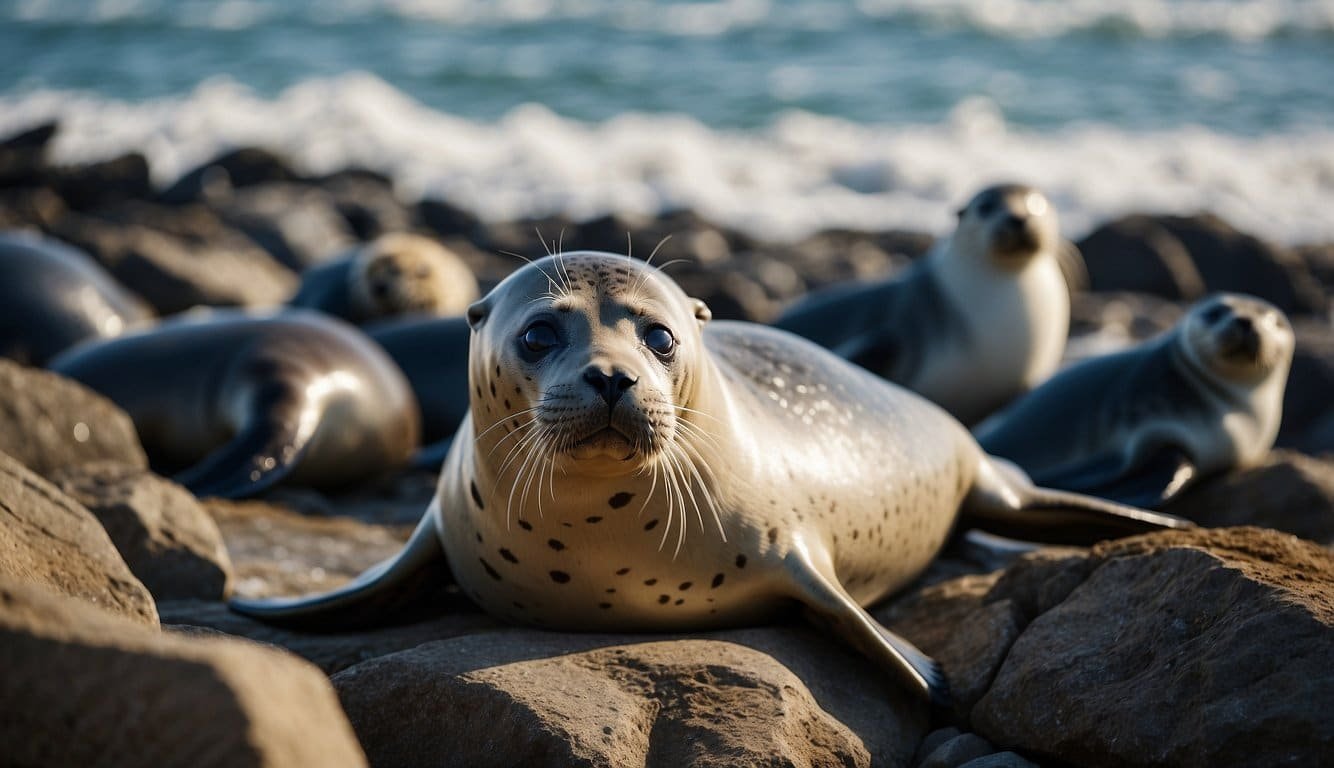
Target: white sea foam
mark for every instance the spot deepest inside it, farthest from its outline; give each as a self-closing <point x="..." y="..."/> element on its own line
<point x="803" y="173"/>
<point x="1241" y="19"/>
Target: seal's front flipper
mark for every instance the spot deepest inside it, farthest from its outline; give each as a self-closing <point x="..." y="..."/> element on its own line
<point x="1151" y="480"/>
<point x="280" y="422"/>
<point x="410" y="586"/>
<point x="1004" y="502"/>
<point x="827" y="602"/>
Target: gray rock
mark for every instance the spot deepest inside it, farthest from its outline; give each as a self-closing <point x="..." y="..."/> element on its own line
<point x="81" y="687"/>
<point x="174" y="273"/>
<point x="231" y="170"/>
<point x="758" y="697"/>
<point x="1138" y="254"/>
<point x="1289" y="492"/>
<point x="960" y="750"/>
<point x="50" y="540"/>
<point x="298" y="224"/>
<point x="1202" y="647"/>
<point x="166" y="538"/>
<point x="48" y="421"/>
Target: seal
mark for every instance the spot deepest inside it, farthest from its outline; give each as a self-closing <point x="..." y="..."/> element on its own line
<point x="979" y="320"/>
<point x="395" y="274"/>
<point x="54" y="296"/>
<point x="236" y="403"/>
<point x="1142" y="425"/>
<point x="433" y="353"/>
<point x="627" y="465"/>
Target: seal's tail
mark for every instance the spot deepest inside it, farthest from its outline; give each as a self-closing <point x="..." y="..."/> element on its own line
<point x="410" y="586"/>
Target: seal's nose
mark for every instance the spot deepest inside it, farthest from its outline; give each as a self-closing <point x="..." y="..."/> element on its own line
<point x="1241" y="338"/>
<point x="609" y="385"/>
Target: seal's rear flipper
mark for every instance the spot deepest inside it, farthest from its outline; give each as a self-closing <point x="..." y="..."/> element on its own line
<point x="411" y="586"/>
<point x="267" y="447"/>
<point x="1004" y="502"/>
<point x="827" y="601"/>
<point x="1152" y="480"/>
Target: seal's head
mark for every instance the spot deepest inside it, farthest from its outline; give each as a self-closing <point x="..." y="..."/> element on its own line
<point x="1239" y="339"/>
<point x="403" y="274"/>
<point x="592" y="357"/>
<point x="1007" y="225"/>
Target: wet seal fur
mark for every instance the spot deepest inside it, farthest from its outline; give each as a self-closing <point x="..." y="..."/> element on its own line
<point x="978" y="321"/>
<point x="628" y="465"/>
<point x="238" y="402"/>
<point x="1142" y="425"/>
<point x="393" y="275"/>
<point x="53" y="296"/>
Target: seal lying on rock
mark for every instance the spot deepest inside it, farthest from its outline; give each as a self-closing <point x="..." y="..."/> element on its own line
<point x="1140" y="426"/>
<point x="627" y="466"/>
<point x="433" y="353"/>
<point x="978" y="321"/>
<point x="394" y="275"/>
<point x="53" y="297"/>
<point x="241" y="402"/>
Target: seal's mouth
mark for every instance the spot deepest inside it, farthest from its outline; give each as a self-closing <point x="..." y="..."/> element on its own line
<point x="607" y="442"/>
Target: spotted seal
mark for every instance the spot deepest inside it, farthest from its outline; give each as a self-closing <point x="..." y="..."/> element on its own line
<point x="1142" y="425"/>
<point x="236" y="403"/>
<point x="53" y="296"/>
<point x="628" y="465"/>
<point x="395" y="274"/>
<point x="979" y="320"/>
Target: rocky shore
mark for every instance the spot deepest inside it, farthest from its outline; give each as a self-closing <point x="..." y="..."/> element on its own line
<point x="1208" y="647"/>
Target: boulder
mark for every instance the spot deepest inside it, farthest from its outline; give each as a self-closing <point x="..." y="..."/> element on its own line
<point x="83" y="187"/>
<point x="1202" y="647"/>
<point x="367" y="202"/>
<point x="298" y="224"/>
<point x="173" y="273"/>
<point x="81" y="687"/>
<point x="231" y="170"/>
<point x="752" y="697"/>
<point x="166" y="538"/>
<point x="23" y="155"/>
<point x="1138" y="254"/>
<point x="1230" y="260"/>
<point x="444" y="219"/>
<point x="1290" y="492"/>
<point x="48" y="539"/>
<point x="30" y="208"/>
<point x="1306" y="400"/>
<point x="48" y="421"/>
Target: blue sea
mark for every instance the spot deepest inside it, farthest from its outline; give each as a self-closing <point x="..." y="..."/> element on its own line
<point x="778" y="116"/>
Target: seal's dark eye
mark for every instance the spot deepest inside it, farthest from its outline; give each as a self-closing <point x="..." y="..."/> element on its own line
<point x="987" y="207"/>
<point x="1215" y="313"/>
<point x="660" y="340"/>
<point x="540" y="337"/>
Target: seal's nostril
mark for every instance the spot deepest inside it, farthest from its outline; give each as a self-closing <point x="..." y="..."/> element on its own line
<point x="609" y="385"/>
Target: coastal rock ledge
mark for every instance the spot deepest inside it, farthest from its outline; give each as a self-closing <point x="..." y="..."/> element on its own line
<point x="1205" y="647"/>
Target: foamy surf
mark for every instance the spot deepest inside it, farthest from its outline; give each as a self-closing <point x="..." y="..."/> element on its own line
<point x="800" y="174"/>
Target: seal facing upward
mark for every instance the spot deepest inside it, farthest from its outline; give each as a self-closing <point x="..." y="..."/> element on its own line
<point x="628" y="465"/>
<point x="1142" y="425"/>
<point x="978" y="321"/>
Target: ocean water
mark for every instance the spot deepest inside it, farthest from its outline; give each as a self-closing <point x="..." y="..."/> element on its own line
<point x="777" y="116"/>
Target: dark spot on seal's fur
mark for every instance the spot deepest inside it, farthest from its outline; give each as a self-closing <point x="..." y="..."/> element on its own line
<point x="507" y="403"/>
<point x="651" y="525"/>
<point x="623" y="571"/>
<point x="508" y="555"/>
<point x="493" y="389"/>
<point x="489" y="570"/>
<point x="560" y="577"/>
<point x="476" y="494"/>
<point x="650" y="582"/>
<point x="592" y="520"/>
<point x="741" y="561"/>
<point x="685" y="585"/>
<point x="524" y="524"/>
<point x="663" y="599"/>
<point x="555" y="544"/>
<point x="717" y="581"/>
<point x="620" y="500"/>
<point x="604" y="606"/>
<point x="679" y="601"/>
<point x="773" y="535"/>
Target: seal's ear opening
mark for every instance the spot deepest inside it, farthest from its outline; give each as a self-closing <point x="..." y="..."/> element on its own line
<point x="961" y="212"/>
<point x="702" y="312"/>
<point x="477" y="312"/>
